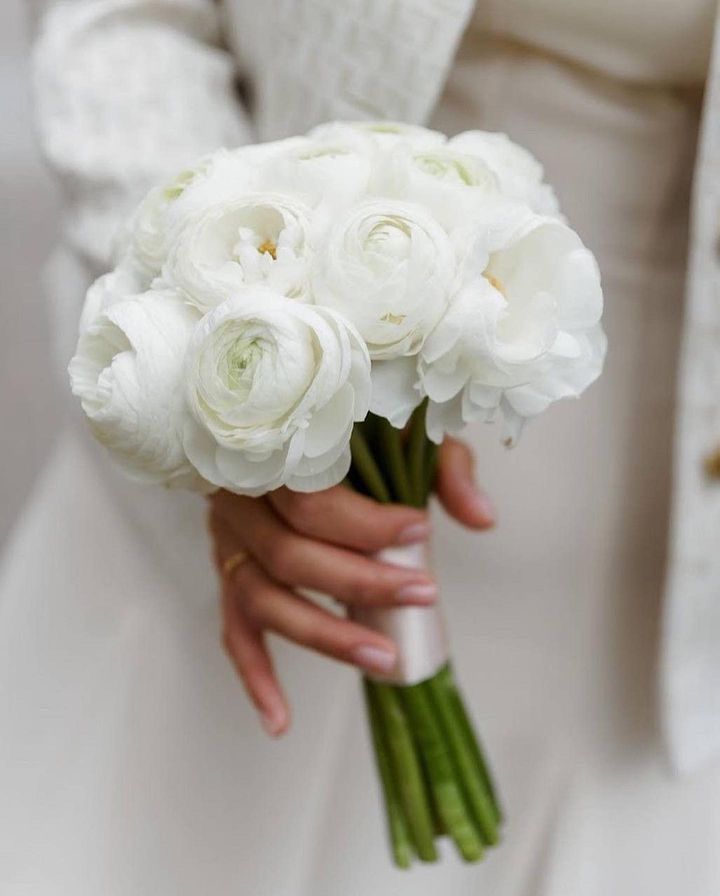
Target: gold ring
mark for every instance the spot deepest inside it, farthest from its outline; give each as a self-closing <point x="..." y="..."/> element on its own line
<point x="233" y="561"/>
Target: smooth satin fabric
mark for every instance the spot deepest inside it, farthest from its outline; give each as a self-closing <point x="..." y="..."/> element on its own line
<point x="419" y="633"/>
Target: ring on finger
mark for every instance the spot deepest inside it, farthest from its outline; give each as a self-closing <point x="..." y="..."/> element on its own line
<point x="233" y="562"/>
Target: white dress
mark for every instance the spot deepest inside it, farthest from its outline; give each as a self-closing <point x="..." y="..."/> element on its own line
<point x="130" y="763"/>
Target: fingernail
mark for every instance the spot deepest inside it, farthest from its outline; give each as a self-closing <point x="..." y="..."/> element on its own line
<point x="417" y="594"/>
<point x="483" y="506"/>
<point x="272" y="722"/>
<point x="414" y="533"/>
<point x="374" y="658"/>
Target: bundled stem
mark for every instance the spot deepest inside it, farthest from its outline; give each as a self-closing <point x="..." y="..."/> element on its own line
<point x="405" y="764"/>
<point x="367" y="469"/>
<point x="399" y="836"/>
<point x="432" y="771"/>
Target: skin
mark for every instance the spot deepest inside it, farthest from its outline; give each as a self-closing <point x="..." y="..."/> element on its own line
<point x="323" y="541"/>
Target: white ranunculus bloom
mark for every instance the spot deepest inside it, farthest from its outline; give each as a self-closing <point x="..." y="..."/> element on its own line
<point x="327" y="173"/>
<point x="388" y="267"/>
<point x="451" y="184"/>
<point x="519" y="172"/>
<point x="215" y="177"/>
<point x="377" y="134"/>
<point x="259" y="238"/>
<point x="522" y="332"/>
<point x="274" y="387"/>
<point x="396" y="389"/>
<point x="256" y="154"/>
<point x="118" y="284"/>
<point x="221" y="175"/>
<point x="128" y="374"/>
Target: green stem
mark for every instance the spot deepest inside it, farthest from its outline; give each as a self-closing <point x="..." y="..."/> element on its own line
<point x="399" y="837"/>
<point x="367" y="469"/>
<point x="452" y="694"/>
<point x="416" y="455"/>
<point x="441" y="774"/>
<point x="391" y="441"/>
<point x="406" y="769"/>
<point x="431" y="459"/>
<point x="442" y="694"/>
<point x="432" y="771"/>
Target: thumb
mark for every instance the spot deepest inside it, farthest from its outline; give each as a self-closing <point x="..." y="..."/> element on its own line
<point x="457" y="490"/>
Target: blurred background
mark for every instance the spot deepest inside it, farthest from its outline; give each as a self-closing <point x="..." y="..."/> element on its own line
<point x="29" y="391"/>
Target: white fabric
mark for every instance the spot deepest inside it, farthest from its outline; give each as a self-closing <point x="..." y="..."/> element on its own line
<point x="127" y="92"/>
<point x="129" y="761"/>
<point x="419" y="633"/>
<point x="643" y="41"/>
<point x="690" y="683"/>
<point x="320" y="60"/>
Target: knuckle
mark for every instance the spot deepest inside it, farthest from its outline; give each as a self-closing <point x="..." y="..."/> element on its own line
<point x="219" y="503"/>
<point x="311" y="636"/>
<point x="315" y="640"/>
<point x="301" y="509"/>
<point x="281" y="556"/>
<point x="253" y="603"/>
<point x="229" y="509"/>
<point x="373" y="585"/>
<point x="332" y="641"/>
<point x="368" y="587"/>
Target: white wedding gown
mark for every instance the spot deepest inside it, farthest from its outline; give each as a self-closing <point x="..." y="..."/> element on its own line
<point x="130" y="762"/>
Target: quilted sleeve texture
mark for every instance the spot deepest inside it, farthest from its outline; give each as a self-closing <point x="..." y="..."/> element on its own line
<point x="351" y="59"/>
<point x="127" y="92"/>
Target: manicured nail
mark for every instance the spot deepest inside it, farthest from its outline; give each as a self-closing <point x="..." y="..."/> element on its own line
<point x="272" y="722"/>
<point x="417" y="594"/>
<point x="483" y="506"/>
<point x="414" y="534"/>
<point x="374" y="658"/>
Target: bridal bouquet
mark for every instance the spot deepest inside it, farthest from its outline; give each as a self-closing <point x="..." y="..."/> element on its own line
<point x="327" y="308"/>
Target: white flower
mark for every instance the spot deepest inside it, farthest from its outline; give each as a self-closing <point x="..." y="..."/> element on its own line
<point x="451" y="184"/>
<point x="377" y="134"/>
<point x="118" y="284"/>
<point x="219" y="176"/>
<point x="128" y="374"/>
<point x="519" y="172"/>
<point x="274" y="386"/>
<point x="259" y="238"/>
<point x="256" y="154"/>
<point x="519" y="335"/>
<point x="329" y="173"/>
<point x="389" y="268"/>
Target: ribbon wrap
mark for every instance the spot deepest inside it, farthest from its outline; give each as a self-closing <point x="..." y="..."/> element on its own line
<point x="418" y="632"/>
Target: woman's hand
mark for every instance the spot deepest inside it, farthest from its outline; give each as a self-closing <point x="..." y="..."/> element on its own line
<point x="267" y="547"/>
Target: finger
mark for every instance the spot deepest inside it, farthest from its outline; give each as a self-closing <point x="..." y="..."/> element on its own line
<point x="457" y="490"/>
<point x="224" y="541"/>
<point x="348" y="576"/>
<point x="344" y="517"/>
<point x="245" y="646"/>
<point x="269" y="605"/>
<point x="243" y="643"/>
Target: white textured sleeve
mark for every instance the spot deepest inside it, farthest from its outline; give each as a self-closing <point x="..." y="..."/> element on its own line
<point x="128" y="92"/>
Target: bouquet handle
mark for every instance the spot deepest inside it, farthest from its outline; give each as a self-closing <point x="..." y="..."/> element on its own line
<point x="419" y="633"/>
<point x="432" y="770"/>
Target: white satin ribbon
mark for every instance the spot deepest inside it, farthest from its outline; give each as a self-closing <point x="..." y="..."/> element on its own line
<point x="418" y="632"/>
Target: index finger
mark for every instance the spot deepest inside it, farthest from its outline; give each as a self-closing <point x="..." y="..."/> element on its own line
<point x="341" y="516"/>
